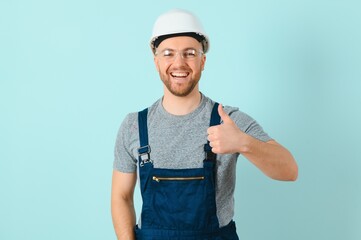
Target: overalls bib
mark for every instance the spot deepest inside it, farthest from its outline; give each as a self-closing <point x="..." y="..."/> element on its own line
<point x="179" y="204"/>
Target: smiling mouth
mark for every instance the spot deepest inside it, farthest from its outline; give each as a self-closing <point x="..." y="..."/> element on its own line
<point x="179" y="74"/>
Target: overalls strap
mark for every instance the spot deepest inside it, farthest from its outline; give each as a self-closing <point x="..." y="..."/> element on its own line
<point x="144" y="149"/>
<point x="215" y="120"/>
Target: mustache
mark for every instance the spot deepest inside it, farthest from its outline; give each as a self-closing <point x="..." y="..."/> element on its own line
<point x="179" y="69"/>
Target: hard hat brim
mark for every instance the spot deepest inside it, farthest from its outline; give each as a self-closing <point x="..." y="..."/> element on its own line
<point x="160" y="39"/>
<point x="199" y="37"/>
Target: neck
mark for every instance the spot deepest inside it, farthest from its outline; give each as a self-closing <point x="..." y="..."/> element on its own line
<point x="181" y="105"/>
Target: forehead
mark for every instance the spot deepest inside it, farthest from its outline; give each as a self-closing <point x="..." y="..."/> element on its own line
<point x="181" y="42"/>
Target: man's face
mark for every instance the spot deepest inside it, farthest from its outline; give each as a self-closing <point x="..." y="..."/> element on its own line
<point x="180" y="62"/>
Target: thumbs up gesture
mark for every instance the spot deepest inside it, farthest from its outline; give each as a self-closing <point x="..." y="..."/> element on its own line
<point x="227" y="137"/>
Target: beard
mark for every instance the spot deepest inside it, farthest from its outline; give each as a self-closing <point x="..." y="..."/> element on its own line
<point x="179" y="89"/>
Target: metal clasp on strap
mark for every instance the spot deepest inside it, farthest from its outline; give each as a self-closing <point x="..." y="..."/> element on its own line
<point x="144" y="156"/>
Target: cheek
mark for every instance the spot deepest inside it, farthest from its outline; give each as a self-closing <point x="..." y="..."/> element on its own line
<point x="197" y="67"/>
<point x="162" y="68"/>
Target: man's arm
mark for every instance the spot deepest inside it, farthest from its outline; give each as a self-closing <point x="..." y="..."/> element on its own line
<point x="122" y="206"/>
<point x="270" y="157"/>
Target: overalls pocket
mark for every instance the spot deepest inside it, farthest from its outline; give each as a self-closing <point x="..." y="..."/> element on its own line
<point x="177" y="199"/>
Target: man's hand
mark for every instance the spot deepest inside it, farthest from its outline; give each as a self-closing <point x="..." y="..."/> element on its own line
<point x="270" y="157"/>
<point x="227" y="137"/>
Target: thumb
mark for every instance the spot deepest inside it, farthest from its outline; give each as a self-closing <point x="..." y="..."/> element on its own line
<point x="224" y="116"/>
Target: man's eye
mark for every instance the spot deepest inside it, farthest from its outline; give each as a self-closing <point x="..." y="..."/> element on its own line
<point x="168" y="54"/>
<point x="190" y="54"/>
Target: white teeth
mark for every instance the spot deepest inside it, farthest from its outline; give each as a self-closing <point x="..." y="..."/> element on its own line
<point x="179" y="74"/>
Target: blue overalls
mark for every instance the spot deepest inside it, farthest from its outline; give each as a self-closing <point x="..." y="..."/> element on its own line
<point x="179" y="204"/>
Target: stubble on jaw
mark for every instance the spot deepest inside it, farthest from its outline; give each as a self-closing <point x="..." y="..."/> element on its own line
<point x="179" y="90"/>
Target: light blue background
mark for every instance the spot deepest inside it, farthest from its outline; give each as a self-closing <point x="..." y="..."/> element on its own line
<point x="71" y="70"/>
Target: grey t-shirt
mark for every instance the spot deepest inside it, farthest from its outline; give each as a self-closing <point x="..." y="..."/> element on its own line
<point x="178" y="142"/>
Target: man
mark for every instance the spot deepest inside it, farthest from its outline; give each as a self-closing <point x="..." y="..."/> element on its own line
<point x="184" y="148"/>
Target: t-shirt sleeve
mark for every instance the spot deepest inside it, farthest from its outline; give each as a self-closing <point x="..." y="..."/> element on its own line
<point x="248" y="125"/>
<point x="124" y="160"/>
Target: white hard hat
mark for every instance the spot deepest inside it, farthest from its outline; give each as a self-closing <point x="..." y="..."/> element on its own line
<point x="178" y="23"/>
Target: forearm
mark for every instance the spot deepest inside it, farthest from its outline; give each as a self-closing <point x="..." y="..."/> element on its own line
<point x="123" y="215"/>
<point x="271" y="158"/>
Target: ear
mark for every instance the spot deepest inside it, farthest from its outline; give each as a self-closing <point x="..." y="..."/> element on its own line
<point x="203" y="61"/>
<point x="156" y="63"/>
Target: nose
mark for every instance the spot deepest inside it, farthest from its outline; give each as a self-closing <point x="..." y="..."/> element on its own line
<point x="178" y="59"/>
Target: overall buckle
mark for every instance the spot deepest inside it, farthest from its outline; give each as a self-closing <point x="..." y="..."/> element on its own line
<point x="144" y="156"/>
